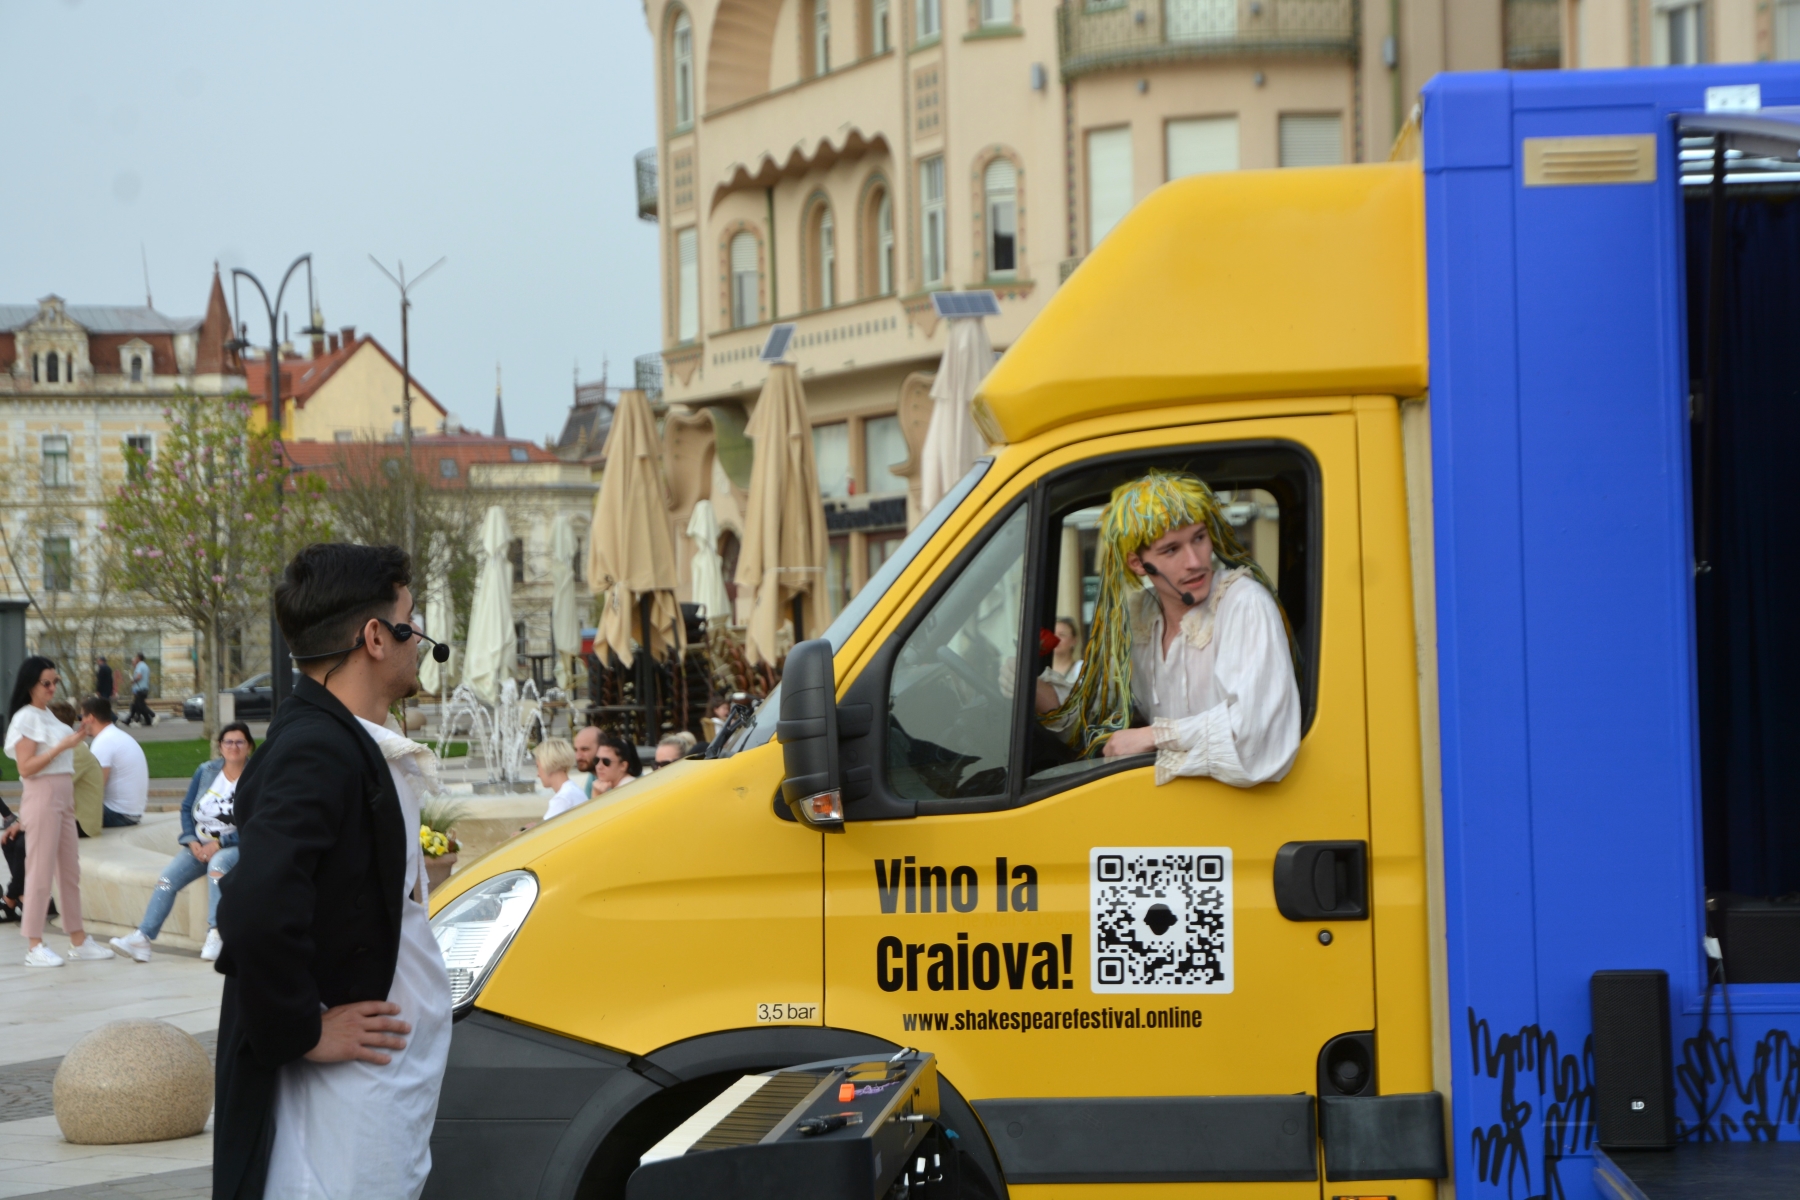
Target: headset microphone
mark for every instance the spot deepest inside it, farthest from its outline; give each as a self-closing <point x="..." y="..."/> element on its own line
<point x="1187" y="598"/>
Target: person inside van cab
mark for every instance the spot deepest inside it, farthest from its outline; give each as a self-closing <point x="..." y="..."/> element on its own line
<point x="1189" y="654"/>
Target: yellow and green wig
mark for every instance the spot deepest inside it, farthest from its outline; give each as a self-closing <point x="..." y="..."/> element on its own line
<point x="1138" y="513"/>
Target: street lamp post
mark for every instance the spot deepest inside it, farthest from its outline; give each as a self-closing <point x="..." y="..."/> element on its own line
<point x="280" y="679"/>
<point x="406" y="433"/>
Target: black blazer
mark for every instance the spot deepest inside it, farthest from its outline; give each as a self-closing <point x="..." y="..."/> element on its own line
<point x="310" y="915"/>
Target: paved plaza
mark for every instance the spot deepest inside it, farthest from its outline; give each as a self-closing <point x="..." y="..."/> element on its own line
<point x="48" y="1012"/>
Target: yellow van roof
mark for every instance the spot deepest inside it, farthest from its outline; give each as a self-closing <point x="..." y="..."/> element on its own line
<point x="1298" y="282"/>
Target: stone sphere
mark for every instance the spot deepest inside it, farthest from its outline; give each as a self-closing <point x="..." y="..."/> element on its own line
<point x="133" y="1081"/>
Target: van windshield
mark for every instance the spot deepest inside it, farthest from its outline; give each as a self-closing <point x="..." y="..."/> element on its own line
<point x="762" y="726"/>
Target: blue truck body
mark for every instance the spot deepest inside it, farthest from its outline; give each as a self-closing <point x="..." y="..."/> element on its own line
<point x="1566" y="626"/>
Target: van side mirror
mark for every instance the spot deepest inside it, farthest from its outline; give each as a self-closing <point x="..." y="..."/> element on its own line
<point x="808" y="733"/>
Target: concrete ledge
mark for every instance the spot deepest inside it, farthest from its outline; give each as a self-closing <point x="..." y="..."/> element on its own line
<point x="119" y="870"/>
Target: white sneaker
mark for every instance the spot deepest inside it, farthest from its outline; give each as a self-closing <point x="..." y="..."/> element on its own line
<point x="134" y="946"/>
<point x="43" y="956"/>
<point x="214" y="944"/>
<point x="89" y="951"/>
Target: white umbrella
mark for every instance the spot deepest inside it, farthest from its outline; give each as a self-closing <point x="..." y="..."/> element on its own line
<point x="706" y="572"/>
<point x="952" y="444"/>
<point x="493" y="646"/>
<point x="565" y="622"/>
<point x="439" y="611"/>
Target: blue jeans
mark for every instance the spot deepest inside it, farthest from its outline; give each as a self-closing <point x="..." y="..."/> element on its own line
<point x="115" y="820"/>
<point x="182" y="870"/>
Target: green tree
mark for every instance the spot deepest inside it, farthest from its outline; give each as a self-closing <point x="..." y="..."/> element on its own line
<point x="367" y="497"/>
<point x="200" y="528"/>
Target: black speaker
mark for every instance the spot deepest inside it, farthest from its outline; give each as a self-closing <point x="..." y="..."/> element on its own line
<point x="1634" y="1077"/>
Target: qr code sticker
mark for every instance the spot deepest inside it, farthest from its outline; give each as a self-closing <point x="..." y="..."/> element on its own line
<point x="1162" y="918"/>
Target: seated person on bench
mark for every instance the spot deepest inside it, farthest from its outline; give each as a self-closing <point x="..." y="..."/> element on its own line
<point x="1187" y="632"/>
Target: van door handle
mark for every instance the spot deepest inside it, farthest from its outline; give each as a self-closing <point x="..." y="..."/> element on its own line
<point x="1323" y="881"/>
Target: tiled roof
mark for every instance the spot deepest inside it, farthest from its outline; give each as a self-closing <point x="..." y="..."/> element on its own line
<point x="430" y="451"/>
<point x="584" y="432"/>
<point x="301" y="378"/>
<point x="101" y="318"/>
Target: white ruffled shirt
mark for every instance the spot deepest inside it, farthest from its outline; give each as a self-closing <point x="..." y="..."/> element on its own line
<point x="1222" y="702"/>
<point x="356" y="1129"/>
<point x="42" y="727"/>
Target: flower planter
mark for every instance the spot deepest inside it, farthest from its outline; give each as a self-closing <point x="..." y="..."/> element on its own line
<point x="437" y="870"/>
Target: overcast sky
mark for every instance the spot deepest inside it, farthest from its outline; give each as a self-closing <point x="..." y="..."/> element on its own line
<point x="499" y="135"/>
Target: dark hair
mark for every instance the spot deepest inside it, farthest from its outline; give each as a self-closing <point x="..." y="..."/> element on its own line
<point x="30" y="671"/>
<point x="331" y="589"/>
<point x="238" y="727"/>
<point x="99" y="706"/>
<point x="627" y="750"/>
<point x="63" y="711"/>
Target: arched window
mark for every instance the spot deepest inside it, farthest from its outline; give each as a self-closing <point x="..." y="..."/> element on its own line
<point x="881" y="38"/>
<point x="746" y="281"/>
<point x="878" y="242"/>
<point x="137" y="368"/>
<point x="681" y="73"/>
<point x="821" y="36"/>
<point x="50" y="375"/>
<point x="820" y="251"/>
<point x="1000" y="183"/>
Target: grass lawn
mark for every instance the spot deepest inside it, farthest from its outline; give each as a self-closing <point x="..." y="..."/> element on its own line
<point x="178" y="760"/>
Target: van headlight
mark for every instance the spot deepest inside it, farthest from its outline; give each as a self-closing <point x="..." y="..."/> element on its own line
<point x="474" y="930"/>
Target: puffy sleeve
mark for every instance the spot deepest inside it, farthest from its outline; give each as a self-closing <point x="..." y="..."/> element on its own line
<point x="24" y="724"/>
<point x="1253" y="734"/>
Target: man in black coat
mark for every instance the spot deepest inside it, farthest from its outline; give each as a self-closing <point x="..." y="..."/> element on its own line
<point x="311" y="913"/>
<point x="103" y="679"/>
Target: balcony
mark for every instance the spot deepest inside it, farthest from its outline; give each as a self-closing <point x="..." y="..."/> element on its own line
<point x="1533" y="34"/>
<point x="800" y="128"/>
<point x="648" y="369"/>
<point x="646" y="184"/>
<point x="1094" y="37"/>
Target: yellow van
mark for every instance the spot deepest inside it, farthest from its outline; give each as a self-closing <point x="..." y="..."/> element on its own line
<point x="617" y="968"/>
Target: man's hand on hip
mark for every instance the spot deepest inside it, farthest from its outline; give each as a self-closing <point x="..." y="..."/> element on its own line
<point x="359" y="1032"/>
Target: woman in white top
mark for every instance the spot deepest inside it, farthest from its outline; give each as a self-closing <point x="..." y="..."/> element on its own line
<point x="208" y="842"/>
<point x="555" y="757"/>
<point x="44" y="748"/>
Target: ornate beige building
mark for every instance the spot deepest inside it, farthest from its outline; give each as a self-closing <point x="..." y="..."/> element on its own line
<point x="834" y="162"/>
<point x="78" y="384"/>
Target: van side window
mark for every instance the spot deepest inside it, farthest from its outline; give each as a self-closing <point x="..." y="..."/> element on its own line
<point x="951" y="702"/>
<point x="1267" y="493"/>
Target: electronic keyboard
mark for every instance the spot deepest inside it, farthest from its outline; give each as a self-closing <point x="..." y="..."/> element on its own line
<point x="844" y="1129"/>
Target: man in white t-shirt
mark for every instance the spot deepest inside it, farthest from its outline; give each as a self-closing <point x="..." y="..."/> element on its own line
<point x="121" y="761"/>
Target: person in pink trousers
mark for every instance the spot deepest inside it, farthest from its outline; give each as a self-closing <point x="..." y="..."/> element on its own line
<point x="44" y="749"/>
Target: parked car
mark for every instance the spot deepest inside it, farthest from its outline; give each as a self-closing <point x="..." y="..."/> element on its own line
<point x="253" y="700"/>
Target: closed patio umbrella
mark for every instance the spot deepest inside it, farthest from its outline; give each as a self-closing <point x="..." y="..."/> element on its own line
<point x="706" y="575"/>
<point x="493" y="646"/>
<point x="782" y="559"/>
<point x="565" y="621"/>
<point x="439" y="611"/>
<point x="631" y="550"/>
<point x="953" y="443"/>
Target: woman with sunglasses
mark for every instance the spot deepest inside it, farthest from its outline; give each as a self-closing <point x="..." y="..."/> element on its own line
<point x="44" y="748"/>
<point x="208" y="845"/>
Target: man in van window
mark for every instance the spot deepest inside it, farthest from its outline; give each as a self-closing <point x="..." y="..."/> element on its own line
<point x="1187" y="633"/>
